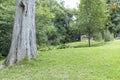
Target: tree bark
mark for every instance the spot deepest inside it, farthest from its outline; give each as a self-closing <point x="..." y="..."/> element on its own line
<point x="24" y="35"/>
<point x="89" y="39"/>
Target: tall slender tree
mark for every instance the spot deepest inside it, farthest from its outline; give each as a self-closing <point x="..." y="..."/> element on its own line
<point x="92" y="16"/>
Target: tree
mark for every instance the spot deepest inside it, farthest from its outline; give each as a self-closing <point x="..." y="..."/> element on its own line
<point x="92" y="17"/>
<point x="62" y="21"/>
<point x="113" y="24"/>
<point x="24" y="39"/>
<point x="44" y="18"/>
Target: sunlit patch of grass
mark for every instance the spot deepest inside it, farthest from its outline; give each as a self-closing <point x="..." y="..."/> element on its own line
<point x="95" y="63"/>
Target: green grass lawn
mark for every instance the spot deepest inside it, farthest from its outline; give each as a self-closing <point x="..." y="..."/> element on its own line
<point x="95" y="63"/>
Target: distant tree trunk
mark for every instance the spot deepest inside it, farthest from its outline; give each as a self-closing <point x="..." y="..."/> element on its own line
<point x="89" y="40"/>
<point x="80" y="37"/>
<point x="24" y="35"/>
<point x="115" y="34"/>
<point x="89" y="35"/>
<point x="103" y="35"/>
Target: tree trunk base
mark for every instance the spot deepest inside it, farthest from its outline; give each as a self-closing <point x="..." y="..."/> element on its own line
<point x="24" y="35"/>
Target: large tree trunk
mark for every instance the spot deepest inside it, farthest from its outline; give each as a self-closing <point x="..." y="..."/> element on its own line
<point x="24" y="35"/>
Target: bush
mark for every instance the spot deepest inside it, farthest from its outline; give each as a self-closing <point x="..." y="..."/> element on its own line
<point x="108" y="36"/>
<point x="118" y="38"/>
<point x="45" y="48"/>
<point x="5" y="41"/>
<point x="97" y="37"/>
<point x="63" y="46"/>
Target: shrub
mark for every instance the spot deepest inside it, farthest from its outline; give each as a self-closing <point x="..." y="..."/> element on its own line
<point x="97" y="37"/>
<point x="108" y="36"/>
<point x="63" y="46"/>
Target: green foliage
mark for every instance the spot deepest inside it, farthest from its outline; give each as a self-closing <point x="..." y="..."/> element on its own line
<point x="52" y="22"/>
<point x="45" y="48"/>
<point x="62" y="22"/>
<point x="97" y="36"/>
<point x="108" y="36"/>
<point x="43" y="20"/>
<point x="114" y="17"/>
<point x="6" y="23"/>
<point x="73" y="32"/>
<point x="63" y="46"/>
<point x="92" y="16"/>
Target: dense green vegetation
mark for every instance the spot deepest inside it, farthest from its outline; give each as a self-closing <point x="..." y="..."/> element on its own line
<point x="92" y="17"/>
<point x="6" y="23"/>
<point x="73" y="44"/>
<point x="56" y="24"/>
<point x="52" y="23"/>
<point x="99" y="63"/>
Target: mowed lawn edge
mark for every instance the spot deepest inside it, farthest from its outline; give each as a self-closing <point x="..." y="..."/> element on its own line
<point x="95" y="63"/>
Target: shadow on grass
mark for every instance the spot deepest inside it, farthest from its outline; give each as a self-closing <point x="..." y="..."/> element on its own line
<point x="92" y="45"/>
<point x="78" y="45"/>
